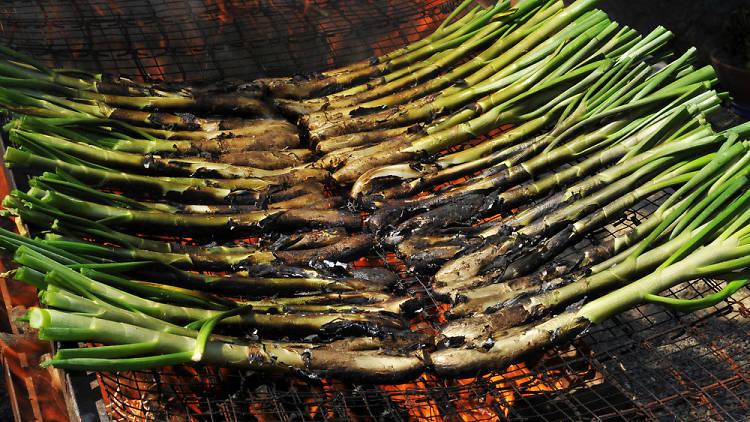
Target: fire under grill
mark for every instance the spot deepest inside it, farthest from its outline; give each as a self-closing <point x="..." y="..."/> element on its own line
<point x="209" y="40"/>
<point x="646" y="364"/>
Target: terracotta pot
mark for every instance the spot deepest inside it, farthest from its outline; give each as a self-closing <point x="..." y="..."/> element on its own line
<point x="734" y="78"/>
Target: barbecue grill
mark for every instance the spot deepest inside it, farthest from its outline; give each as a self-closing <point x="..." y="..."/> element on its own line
<point x="647" y="364"/>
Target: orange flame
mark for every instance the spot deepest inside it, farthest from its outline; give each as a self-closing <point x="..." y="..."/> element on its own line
<point x="223" y="16"/>
<point x="413" y="398"/>
<point x="474" y="404"/>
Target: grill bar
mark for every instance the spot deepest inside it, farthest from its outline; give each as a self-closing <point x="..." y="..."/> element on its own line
<point x="211" y="40"/>
<point x="649" y="364"/>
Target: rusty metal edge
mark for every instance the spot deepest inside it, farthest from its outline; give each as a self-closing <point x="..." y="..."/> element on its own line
<point x="83" y="395"/>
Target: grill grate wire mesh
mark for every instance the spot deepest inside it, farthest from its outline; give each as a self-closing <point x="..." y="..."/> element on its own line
<point x="647" y="364"/>
<point x="211" y="40"/>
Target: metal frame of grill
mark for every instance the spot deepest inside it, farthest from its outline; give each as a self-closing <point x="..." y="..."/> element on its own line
<point x="648" y="364"/>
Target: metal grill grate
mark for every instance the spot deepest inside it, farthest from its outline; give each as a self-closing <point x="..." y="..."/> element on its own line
<point x="210" y="40"/>
<point x="647" y="364"/>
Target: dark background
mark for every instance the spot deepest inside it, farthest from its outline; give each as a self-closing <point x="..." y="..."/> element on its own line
<point x="698" y="23"/>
